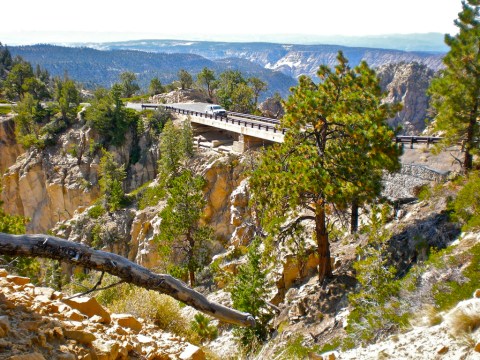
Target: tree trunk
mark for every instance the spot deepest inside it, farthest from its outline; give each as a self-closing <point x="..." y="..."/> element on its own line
<point x="354" y="218"/>
<point x="323" y="247"/>
<point x="190" y="260"/>
<point x="54" y="248"/>
<point x="191" y="275"/>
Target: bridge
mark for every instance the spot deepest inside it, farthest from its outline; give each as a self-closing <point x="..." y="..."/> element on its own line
<point x="251" y="130"/>
<point x="248" y="131"/>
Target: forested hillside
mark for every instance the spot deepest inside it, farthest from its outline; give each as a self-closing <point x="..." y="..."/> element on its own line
<point x="291" y="59"/>
<point x="102" y="68"/>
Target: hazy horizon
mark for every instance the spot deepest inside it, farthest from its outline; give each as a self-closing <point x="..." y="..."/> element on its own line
<point x="407" y="42"/>
<point x="50" y="21"/>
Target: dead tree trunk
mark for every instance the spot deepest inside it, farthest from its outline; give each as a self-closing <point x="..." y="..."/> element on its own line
<point x="46" y="246"/>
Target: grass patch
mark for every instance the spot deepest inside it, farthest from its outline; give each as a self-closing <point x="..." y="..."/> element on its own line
<point x="5" y="110"/>
<point x="448" y="294"/>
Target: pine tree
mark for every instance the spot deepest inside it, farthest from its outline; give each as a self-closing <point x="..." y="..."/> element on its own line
<point x="206" y="77"/>
<point x="456" y="92"/>
<point x="111" y="182"/>
<point x="68" y="97"/>
<point x="334" y="153"/>
<point x="182" y="237"/>
<point x="249" y="294"/>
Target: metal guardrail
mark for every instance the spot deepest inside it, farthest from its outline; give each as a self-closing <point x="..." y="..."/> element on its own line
<point x="401" y="139"/>
<point x="225" y="119"/>
<point x="254" y="117"/>
<point x="417" y="139"/>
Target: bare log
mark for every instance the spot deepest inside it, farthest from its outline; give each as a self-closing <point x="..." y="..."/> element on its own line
<point x="46" y="246"/>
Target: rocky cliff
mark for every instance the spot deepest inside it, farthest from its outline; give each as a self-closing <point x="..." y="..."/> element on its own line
<point x="407" y="83"/>
<point x="9" y="148"/>
<point x="50" y="184"/>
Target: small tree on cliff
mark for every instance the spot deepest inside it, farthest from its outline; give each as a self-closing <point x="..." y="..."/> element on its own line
<point x="182" y="236"/>
<point x="456" y="92"/>
<point x="111" y="182"/>
<point x="334" y="153"/>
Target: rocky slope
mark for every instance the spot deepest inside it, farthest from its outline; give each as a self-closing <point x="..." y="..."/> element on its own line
<point x="38" y="323"/>
<point x="443" y="341"/>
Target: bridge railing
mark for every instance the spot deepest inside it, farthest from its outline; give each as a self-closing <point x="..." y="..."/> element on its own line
<point x="225" y="119"/>
<point x="401" y="139"/>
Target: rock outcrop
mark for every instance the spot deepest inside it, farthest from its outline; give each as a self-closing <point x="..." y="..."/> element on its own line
<point x="40" y="323"/>
<point x="407" y="83"/>
<point x="9" y="148"/>
<point x="49" y="185"/>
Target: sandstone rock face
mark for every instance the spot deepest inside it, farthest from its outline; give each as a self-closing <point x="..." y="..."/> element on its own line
<point x="46" y="189"/>
<point x="9" y="148"/>
<point x="407" y="83"/>
<point x="35" y="327"/>
<point x="50" y="185"/>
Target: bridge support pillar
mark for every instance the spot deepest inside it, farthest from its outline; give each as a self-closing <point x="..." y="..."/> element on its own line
<point x="246" y="142"/>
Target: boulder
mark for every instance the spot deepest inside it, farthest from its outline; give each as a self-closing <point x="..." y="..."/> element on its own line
<point x="192" y="352"/>
<point x="81" y="336"/>
<point x="106" y="350"/>
<point x="127" y="320"/>
<point x="89" y="307"/>
<point x="18" y="280"/>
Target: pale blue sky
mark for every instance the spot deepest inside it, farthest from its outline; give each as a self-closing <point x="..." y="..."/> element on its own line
<point x="33" y="21"/>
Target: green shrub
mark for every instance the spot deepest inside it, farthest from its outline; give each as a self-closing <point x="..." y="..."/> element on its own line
<point x="376" y="308"/>
<point x="96" y="211"/>
<point x="294" y="349"/>
<point x="466" y="206"/>
<point x="150" y="196"/>
<point x="201" y="326"/>
<point x="448" y="294"/>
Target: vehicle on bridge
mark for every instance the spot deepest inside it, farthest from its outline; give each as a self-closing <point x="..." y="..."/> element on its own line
<point x="215" y="110"/>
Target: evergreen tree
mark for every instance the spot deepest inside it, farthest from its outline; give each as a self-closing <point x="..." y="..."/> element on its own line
<point x="334" y="153"/>
<point x="27" y="129"/>
<point x="68" y="97"/>
<point x="170" y="152"/>
<point x="109" y="117"/>
<point x="155" y="87"/>
<point x="181" y="236"/>
<point x="6" y="61"/>
<point x="187" y="138"/>
<point x="249" y="294"/>
<point x="226" y="85"/>
<point x="456" y="92"/>
<point x="128" y="83"/>
<point x="111" y="180"/>
<point x="243" y="99"/>
<point x="257" y="87"/>
<point x="186" y="80"/>
<point x="206" y="78"/>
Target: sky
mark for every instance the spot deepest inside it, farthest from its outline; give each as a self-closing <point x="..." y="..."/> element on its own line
<point x="61" y="21"/>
